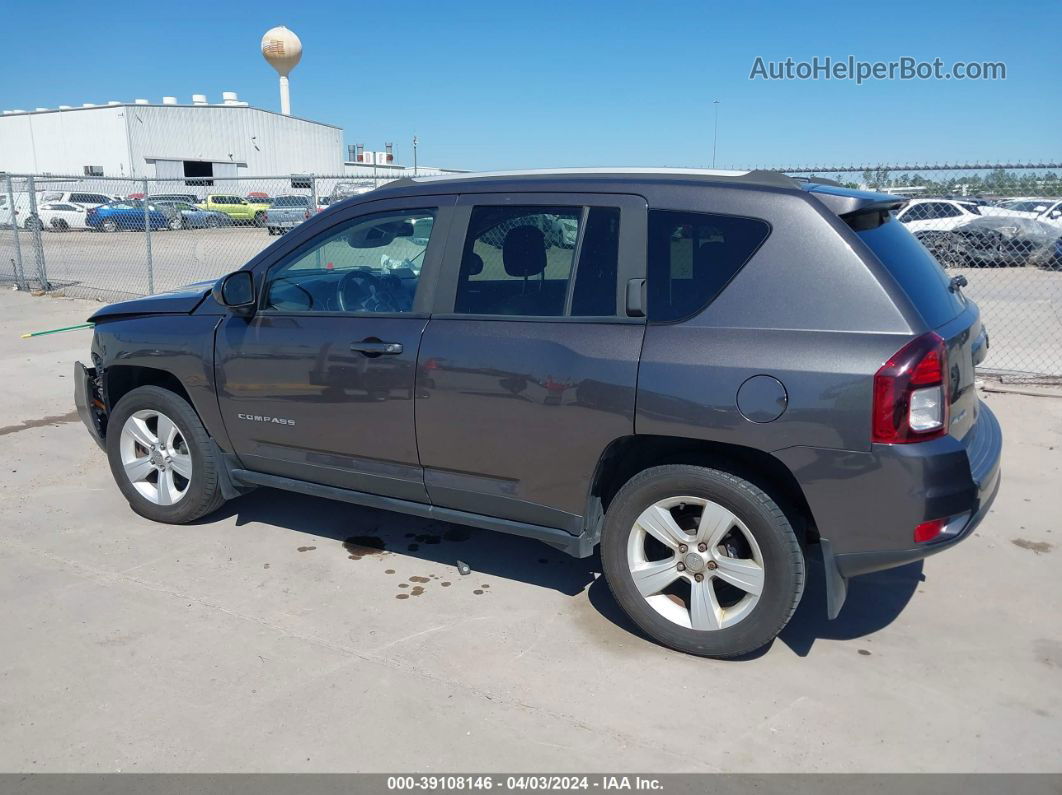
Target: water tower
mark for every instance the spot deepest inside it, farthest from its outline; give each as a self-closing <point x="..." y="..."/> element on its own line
<point x="283" y="50"/>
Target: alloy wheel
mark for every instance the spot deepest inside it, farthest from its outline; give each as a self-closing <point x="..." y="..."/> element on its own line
<point x="695" y="563"/>
<point x="156" y="457"/>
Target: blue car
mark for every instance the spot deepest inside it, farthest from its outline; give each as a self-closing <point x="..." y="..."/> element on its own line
<point x="183" y="215"/>
<point x="124" y="214"/>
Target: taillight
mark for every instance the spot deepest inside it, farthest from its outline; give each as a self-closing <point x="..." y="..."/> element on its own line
<point x="911" y="393"/>
<point x="306" y="215"/>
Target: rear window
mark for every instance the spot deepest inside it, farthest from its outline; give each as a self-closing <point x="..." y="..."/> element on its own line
<point x="692" y="256"/>
<point x="916" y="271"/>
<point x="291" y="201"/>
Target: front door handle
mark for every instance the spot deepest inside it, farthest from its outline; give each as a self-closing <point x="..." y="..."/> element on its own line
<point x="375" y="347"/>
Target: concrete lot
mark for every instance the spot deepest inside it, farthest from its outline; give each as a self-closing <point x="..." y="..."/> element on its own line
<point x="1021" y="306"/>
<point x="256" y="641"/>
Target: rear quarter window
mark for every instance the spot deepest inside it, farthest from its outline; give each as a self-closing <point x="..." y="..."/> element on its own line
<point x="915" y="270"/>
<point x="692" y="257"/>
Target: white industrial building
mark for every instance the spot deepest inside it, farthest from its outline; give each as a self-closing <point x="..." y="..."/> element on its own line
<point x="166" y="140"/>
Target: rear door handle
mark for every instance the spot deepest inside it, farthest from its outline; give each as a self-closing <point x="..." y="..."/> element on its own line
<point x="375" y="347"/>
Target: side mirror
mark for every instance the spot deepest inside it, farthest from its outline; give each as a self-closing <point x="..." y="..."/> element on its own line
<point x="236" y="292"/>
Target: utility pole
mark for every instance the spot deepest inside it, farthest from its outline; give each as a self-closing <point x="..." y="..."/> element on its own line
<point x="715" y="139"/>
<point x="414" y="155"/>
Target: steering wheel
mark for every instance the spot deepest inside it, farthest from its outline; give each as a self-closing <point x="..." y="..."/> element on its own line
<point x="362" y="291"/>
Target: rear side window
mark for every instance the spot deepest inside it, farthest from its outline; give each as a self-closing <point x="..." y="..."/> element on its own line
<point x="692" y="256"/>
<point x="916" y="271"/>
<point x="519" y="261"/>
<point x="87" y="198"/>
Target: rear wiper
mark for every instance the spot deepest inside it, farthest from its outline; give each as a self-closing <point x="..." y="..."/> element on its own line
<point x="957" y="282"/>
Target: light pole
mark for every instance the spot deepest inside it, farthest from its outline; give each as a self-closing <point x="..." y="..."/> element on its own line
<point x="414" y="155"/>
<point x="715" y="138"/>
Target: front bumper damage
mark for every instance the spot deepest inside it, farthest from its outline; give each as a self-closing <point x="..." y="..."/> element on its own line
<point x="88" y="399"/>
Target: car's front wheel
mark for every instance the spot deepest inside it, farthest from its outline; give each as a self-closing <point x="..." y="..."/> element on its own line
<point x="703" y="561"/>
<point x="161" y="457"/>
<point x="175" y="223"/>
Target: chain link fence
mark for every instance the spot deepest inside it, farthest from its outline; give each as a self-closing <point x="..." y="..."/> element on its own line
<point x="999" y="225"/>
<point x="116" y="238"/>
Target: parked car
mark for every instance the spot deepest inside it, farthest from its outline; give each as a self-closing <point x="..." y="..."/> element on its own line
<point x="19" y="215"/>
<point x="124" y="215"/>
<point x="61" y="216"/>
<point x="697" y="406"/>
<point x="183" y="215"/>
<point x="1005" y="242"/>
<point x="287" y="212"/>
<point x="84" y="199"/>
<point x="935" y="221"/>
<point x="239" y="210"/>
<point x="1047" y="210"/>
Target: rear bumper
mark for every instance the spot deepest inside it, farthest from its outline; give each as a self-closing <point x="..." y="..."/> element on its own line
<point x="866" y="505"/>
<point x="88" y="402"/>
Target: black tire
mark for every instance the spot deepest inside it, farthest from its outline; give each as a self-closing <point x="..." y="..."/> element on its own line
<point x="213" y="222"/>
<point x="259" y="219"/>
<point x="272" y="230"/>
<point x="174" y="224"/>
<point x="203" y="493"/>
<point x="783" y="558"/>
<point x="109" y="225"/>
<point x="33" y="223"/>
<point x="60" y="225"/>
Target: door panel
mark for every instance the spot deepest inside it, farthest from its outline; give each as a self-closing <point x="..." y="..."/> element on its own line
<point x="318" y="385"/>
<point x="298" y="402"/>
<point x="513" y="415"/>
<point x="513" y="412"/>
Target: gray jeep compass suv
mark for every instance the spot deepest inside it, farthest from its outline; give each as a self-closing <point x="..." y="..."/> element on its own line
<point x="711" y="375"/>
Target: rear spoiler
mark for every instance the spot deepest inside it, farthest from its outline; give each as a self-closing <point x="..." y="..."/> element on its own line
<point x="847" y="202"/>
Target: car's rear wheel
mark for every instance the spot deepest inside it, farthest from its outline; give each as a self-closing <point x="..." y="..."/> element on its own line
<point x="59" y="225"/>
<point x="175" y="223"/>
<point x="109" y="225"/>
<point x="703" y="561"/>
<point x="213" y="222"/>
<point x="161" y="457"/>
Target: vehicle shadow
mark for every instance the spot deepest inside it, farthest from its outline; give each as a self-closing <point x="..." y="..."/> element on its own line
<point x="874" y="600"/>
<point x="362" y="532"/>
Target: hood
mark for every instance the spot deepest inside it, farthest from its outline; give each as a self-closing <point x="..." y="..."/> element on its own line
<point x="181" y="301"/>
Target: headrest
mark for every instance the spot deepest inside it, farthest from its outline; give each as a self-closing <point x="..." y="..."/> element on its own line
<point x="472" y="264"/>
<point x="524" y="251"/>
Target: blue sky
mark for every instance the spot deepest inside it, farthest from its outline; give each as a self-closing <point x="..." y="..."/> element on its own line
<point x="489" y="84"/>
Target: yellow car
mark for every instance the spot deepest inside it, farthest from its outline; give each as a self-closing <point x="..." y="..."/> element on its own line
<point x="237" y="208"/>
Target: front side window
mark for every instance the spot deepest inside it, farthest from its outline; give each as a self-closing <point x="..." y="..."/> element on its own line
<point x="519" y="261"/>
<point x="368" y="264"/>
<point x="692" y="256"/>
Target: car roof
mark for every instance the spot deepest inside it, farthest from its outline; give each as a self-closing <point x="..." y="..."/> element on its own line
<point x="836" y="197"/>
